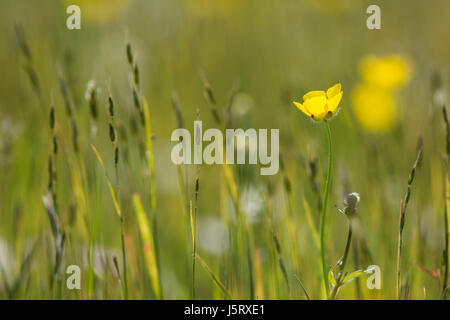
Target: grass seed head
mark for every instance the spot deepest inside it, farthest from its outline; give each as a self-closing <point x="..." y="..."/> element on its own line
<point x="129" y="54"/>
<point x="112" y="133"/>
<point x="111" y="106"/>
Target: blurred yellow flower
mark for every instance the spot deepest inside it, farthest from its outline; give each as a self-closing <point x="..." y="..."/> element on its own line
<point x="100" y="11"/>
<point x="374" y="107"/>
<point x="320" y="105"/>
<point x="216" y="8"/>
<point x="334" y="7"/>
<point x="391" y="72"/>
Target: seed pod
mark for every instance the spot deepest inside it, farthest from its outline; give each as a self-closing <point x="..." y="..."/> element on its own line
<point x="20" y="35"/>
<point x="176" y="107"/>
<point x="52" y="118"/>
<point x="91" y="96"/>
<point x="50" y="173"/>
<point x="74" y="135"/>
<point x="136" y="75"/>
<point x="116" y="266"/>
<point x="129" y="54"/>
<point x="142" y="116"/>
<point x="55" y="145"/>
<point x="352" y="200"/>
<point x="93" y="105"/>
<point x="351" y="203"/>
<point x="33" y="78"/>
<point x="65" y="94"/>
<point x="197" y="184"/>
<point x="277" y="243"/>
<point x="112" y="133"/>
<point x="137" y="104"/>
<point x="116" y="155"/>
<point x="111" y="106"/>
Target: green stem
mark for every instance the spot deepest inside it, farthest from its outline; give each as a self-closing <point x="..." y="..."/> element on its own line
<point x="124" y="259"/>
<point x="324" y="210"/>
<point x="122" y="234"/>
<point x="194" y="253"/>
<point x="444" y="282"/>
<point x="194" y="244"/>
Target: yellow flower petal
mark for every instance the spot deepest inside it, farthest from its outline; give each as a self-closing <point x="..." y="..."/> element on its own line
<point x="334" y="90"/>
<point x="313" y="94"/>
<point x="333" y="103"/>
<point x="302" y="108"/>
<point x="317" y="106"/>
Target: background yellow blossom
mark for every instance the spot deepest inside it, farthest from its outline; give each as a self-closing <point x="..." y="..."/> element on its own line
<point x="374" y="108"/>
<point x="391" y="72"/>
<point x="374" y="99"/>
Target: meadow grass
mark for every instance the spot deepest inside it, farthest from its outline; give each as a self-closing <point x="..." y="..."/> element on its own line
<point x="87" y="179"/>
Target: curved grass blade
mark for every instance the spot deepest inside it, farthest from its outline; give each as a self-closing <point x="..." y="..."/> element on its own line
<point x="213" y="277"/>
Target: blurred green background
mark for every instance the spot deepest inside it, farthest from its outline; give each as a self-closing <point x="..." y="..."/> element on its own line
<point x="273" y="52"/>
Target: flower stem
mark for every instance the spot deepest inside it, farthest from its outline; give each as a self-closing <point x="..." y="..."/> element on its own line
<point x="324" y="210"/>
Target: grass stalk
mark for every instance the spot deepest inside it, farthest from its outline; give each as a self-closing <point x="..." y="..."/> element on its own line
<point x="193" y="219"/>
<point x="445" y="259"/>
<point x="290" y="220"/>
<point x="215" y="279"/>
<point x="403" y="206"/>
<point x="149" y="246"/>
<point x="119" y="213"/>
<point x="151" y="167"/>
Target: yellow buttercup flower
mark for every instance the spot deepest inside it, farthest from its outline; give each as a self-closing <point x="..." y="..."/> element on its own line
<point x="320" y="105"/>
<point x="391" y="72"/>
<point x="375" y="108"/>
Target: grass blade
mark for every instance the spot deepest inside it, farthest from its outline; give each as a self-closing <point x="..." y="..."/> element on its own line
<point x="149" y="245"/>
<point x="213" y="277"/>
